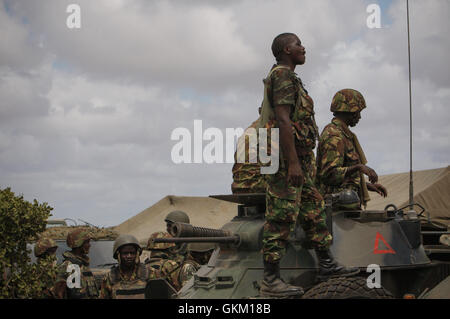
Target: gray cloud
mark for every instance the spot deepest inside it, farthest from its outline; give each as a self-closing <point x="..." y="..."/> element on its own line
<point x="86" y="115"/>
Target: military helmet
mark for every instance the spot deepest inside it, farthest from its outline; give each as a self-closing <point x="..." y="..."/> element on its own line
<point x="177" y="216"/>
<point x="201" y="247"/>
<point x="348" y="200"/>
<point x="123" y="240"/>
<point x="42" y="245"/>
<point x="77" y="237"/>
<point x="347" y="100"/>
<point x="159" y="246"/>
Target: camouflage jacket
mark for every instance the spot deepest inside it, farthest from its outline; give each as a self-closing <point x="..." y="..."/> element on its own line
<point x="285" y="88"/>
<point x="247" y="176"/>
<point x="116" y="285"/>
<point x="47" y="276"/>
<point x="166" y="268"/>
<point x="336" y="152"/>
<point x="88" y="287"/>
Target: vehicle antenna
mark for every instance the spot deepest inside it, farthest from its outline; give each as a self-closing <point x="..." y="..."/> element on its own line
<point x="411" y="189"/>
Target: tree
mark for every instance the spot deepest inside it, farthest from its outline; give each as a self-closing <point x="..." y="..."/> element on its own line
<point x="20" y="223"/>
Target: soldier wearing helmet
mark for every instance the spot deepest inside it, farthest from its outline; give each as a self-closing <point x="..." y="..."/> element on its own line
<point x="200" y="253"/>
<point x="341" y="163"/>
<point x="128" y="279"/>
<point x="45" y="247"/>
<point x="45" y="251"/>
<point x="164" y="261"/>
<point x="177" y="216"/>
<point x="76" y="263"/>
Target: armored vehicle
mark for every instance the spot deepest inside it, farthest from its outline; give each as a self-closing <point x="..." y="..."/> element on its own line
<point x="397" y="251"/>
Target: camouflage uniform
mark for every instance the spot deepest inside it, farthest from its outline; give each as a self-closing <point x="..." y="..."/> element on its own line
<point x="337" y="150"/>
<point x="89" y="288"/>
<point x="46" y="266"/>
<point x="117" y="285"/>
<point x="285" y="203"/>
<point x="165" y="263"/>
<point x="247" y="176"/>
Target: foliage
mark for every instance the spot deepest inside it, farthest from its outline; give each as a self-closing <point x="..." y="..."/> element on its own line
<point x="20" y="223"/>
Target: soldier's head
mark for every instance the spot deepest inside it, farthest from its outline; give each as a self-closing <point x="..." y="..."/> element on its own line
<point x="151" y="245"/>
<point x="177" y="216"/>
<point x="287" y="46"/>
<point x="347" y="105"/>
<point x="127" y="250"/>
<point x="45" y="247"/>
<point x="79" y="240"/>
<point x="201" y="252"/>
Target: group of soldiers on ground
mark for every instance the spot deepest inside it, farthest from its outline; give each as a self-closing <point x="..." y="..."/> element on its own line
<point x="295" y="193"/>
<point x="175" y="263"/>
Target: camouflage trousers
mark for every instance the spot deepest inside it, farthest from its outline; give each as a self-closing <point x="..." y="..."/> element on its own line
<point x="285" y="204"/>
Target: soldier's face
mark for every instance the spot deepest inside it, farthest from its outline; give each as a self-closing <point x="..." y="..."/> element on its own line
<point x="52" y="251"/>
<point x="169" y="226"/>
<point x="354" y="119"/>
<point x="86" y="246"/>
<point x="297" y="51"/>
<point x="128" y="255"/>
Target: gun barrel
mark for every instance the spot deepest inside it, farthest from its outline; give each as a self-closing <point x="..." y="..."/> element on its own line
<point x="187" y="230"/>
<point x="227" y="239"/>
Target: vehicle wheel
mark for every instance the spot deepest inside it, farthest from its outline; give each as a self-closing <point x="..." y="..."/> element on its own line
<point x="346" y="288"/>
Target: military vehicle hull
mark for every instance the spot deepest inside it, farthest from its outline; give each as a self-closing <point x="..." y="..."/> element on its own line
<point x="364" y="239"/>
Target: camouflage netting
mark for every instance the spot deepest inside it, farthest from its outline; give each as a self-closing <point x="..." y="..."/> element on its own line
<point x="60" y="232"/>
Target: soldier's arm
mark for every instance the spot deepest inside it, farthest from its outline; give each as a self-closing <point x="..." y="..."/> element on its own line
<point x="380" y="189"/>
<point x="105" y="289"/>
<point x="373" y="177"/>
<point x="61" y="282"/>
<point x="295" y="173"/>
<point x="284" y="97"/>
<point x="331" y="160"/>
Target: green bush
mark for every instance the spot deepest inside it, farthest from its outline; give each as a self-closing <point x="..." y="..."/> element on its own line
<point x="20" y="223"/>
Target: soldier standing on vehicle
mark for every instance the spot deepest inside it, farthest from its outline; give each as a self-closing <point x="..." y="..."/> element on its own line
<point x="341" y="163"/>
<point x="291" y="191"/>
<point x="45" y="252"/>
<point x="128" y="279"/>
<point x="76" y="260"/>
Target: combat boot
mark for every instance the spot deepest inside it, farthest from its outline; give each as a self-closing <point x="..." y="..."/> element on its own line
<point x="330" y="268"/>
<point x="274" y="287"/>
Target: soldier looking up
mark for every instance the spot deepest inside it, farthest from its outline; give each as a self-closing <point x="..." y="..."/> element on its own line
<point x="291" y="191"/>
<point x="79" y="241"/>
<point x="341" y="163"/>
<point x="128" y="279"/>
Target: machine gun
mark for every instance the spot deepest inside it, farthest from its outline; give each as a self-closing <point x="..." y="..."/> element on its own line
<point x="186" y="233"/>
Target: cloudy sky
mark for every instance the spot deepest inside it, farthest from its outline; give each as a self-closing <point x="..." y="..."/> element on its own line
<point x="86" y="114"/>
